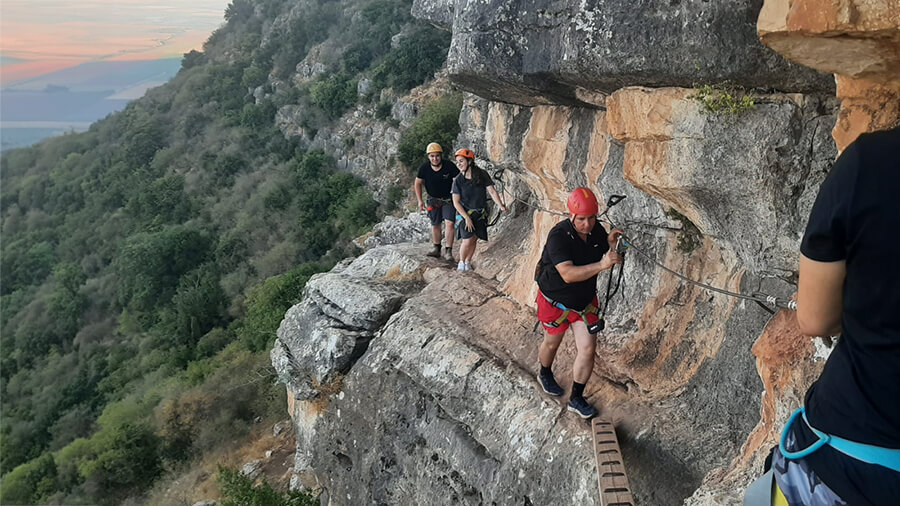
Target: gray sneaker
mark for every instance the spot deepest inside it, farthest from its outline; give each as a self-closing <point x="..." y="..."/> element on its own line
<point x="580" y="406"/>
<point x="448" y="254"/>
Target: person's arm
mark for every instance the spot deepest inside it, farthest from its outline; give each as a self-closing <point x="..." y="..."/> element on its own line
<point x="457" y="203"/>
<point x="417" y="187"/>
<point x="571" y="273"/>
<point x="819" y="296"/>
<point x="496" y="198"/>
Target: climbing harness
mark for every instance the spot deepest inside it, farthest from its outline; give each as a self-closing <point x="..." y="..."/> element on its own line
<point x="870" y="454"/>
<point x="590" y="309"/>
<point x="766" y="492"/>
<point x="474" y="213"/>
<point x="437" y="203"/>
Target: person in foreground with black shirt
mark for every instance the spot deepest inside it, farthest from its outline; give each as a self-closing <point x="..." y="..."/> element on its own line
<point x="577" y="249"/>
<point x="850" y="285"/>
<point x="437" y="175"/>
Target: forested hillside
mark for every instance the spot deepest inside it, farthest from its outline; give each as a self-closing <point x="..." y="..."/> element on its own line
<point x="147" y="262"/>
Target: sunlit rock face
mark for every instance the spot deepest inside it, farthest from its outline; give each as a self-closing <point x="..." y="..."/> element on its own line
<point x="857" y="40"/>
<point x="576" y="52"/>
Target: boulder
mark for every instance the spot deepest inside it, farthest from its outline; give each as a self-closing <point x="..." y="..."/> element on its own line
<point x="575" y="53"/>
<point x="414" y="227"/>
<point x="252" y="469"/>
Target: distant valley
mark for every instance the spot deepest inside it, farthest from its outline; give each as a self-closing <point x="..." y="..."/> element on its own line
<point x="71" y="99"/>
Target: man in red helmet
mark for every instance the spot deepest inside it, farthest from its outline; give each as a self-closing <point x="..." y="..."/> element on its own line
<point x="577" y="249"/>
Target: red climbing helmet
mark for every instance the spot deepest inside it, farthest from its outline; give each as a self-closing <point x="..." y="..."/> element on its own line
<point x="466" y="153"/>
<point x="582" y="201"/>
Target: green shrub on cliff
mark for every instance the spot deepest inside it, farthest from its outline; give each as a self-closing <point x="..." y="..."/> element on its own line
<point x="239" y="490"/>
<point x="723" y="100"/>
<point x="439" y="122"/>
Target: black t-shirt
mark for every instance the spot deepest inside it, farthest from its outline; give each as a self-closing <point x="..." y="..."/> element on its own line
<point x="856" y="218"/>
<point x="472" y="195"/>
<point x="437" y="183"/>
<point x="564" y="244"/>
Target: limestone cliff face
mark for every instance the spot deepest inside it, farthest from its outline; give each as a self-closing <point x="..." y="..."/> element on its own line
<point x="411" y="383"/>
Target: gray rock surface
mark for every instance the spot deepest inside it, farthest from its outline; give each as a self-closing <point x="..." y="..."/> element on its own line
<point x="566" y="52"/>
<point x="252" y="469"/>
<point x="320" y="338"/>
<point x="439" y="419"/>
<point x="414" y="227"/>
<point x="280" y="427"/>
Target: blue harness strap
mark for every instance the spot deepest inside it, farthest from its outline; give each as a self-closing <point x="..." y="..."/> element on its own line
<point x="870" y="454"/>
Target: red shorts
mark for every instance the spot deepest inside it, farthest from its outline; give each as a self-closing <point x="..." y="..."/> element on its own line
<point x="548" y="313"/>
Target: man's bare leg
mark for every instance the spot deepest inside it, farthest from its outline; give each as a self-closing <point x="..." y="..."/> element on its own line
<point x="435" y="241"/>
<point x="546" y="354"/>
<point x="548" y="348"/>
<point x="449" y="234"/>
<point x="435" y="234"/>
<point x="585" y="346"/>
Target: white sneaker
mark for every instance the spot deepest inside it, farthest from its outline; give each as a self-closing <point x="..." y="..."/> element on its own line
<point x="461" y="266"/>
<point x="468" y="267"/>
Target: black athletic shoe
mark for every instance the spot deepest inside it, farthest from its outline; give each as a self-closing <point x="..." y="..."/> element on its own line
<point x="580" y="406"/>
<point x="549" y="384"/>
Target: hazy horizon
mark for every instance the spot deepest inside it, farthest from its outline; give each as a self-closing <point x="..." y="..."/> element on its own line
<point x="66" y="64"/>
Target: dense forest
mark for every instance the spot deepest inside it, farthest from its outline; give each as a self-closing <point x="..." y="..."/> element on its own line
<point x="147" y="262"/>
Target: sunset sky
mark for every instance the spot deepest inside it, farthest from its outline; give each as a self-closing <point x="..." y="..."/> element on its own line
<point x="53" y="34"/>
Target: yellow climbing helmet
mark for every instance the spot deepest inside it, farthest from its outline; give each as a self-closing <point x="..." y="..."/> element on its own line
<point x="433" y="148"/>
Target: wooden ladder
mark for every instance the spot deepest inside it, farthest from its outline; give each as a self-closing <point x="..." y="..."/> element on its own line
<point x="611" y="477"/>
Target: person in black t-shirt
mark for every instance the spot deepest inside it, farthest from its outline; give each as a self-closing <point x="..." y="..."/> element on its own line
<point x="577" y="249"/>
<point x="850" y="285"/>
<point x="437" y="175"/>
<point x="470" y="190"/>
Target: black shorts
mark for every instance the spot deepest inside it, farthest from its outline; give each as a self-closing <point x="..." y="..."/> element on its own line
<point x="440" y="210"/>
<point x="479" y="220"/>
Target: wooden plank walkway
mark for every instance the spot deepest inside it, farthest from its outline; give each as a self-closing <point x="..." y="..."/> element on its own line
<point x="611" y="477"/>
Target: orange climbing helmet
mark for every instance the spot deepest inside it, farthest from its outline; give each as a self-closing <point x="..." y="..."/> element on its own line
<point x="582" y="201"/>
<point x="466" y="153"/>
